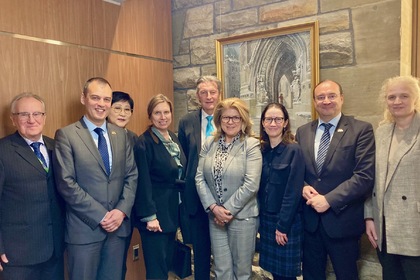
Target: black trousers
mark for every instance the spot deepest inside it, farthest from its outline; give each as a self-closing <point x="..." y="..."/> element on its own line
<point x="343" y="253"/>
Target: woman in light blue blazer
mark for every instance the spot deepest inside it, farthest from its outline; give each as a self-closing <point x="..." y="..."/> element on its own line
<point x="227" y="180"/>
<point x="392" y="213"/>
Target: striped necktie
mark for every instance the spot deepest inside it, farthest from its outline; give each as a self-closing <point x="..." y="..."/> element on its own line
<point x="37" y="151"/>
<point x="323" y="146"/>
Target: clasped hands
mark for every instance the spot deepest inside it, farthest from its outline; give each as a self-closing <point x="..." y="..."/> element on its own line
<point x="112" y="220"/>
<point x="222" y="216"/>
<point x="317" y="201"/>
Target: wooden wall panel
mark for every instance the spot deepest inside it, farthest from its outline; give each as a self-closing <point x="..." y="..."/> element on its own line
<point x="141" y="27"/>
<point x="68" y="21"/>
<point x="130" y="45"/>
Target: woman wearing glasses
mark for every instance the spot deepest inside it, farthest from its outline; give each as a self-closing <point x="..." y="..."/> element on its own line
<point x="122" y="106"/>
<point x="228" y="177"/>
<point x="281" y="229"/>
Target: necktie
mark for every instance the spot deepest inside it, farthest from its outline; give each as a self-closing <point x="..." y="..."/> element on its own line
<point x="323" y="146"/>
<point x="37" y="151"/>
<point x="209" y="127"/>
<point x="103" y="149"/>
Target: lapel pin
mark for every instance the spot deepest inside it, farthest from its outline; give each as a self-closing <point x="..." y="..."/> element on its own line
<point x="113" y="133"/>
<point x="340" y="130"/>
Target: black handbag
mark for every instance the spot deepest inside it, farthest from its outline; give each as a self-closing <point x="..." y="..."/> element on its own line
<point x="181" y="261"/>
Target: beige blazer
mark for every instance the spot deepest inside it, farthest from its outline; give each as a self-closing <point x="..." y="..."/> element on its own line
<point x="240" y="179"/>
<point x="397" y="191"/>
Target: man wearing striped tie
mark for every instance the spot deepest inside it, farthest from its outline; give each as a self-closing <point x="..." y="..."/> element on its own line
<point x="193" y="130"/>
<point x="339" y="154"/>
<point x="31" y="211"/>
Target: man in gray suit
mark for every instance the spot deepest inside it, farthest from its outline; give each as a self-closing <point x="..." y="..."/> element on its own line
<point x="97" y="177"/>
<point x="31" y="211"/>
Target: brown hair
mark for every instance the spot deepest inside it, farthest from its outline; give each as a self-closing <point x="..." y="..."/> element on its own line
<point x="287" y="135"/>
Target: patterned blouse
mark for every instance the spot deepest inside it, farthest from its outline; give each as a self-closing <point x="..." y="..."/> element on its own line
<point x="222" y="154"/>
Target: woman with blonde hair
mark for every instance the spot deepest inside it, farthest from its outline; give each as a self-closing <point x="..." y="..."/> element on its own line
<point x="392" y="214"/>
<point x="228" y="178"/>
<point x="160" y="162"/>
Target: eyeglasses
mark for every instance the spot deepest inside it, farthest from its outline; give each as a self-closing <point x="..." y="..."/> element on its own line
<point x="277" y="120"/>
<point x="205" y="92"/>
<point x="234" y="119"/>
<point x="23" y="116"/>
<point x="118" y="110"/>
<point x="330" y="97"/>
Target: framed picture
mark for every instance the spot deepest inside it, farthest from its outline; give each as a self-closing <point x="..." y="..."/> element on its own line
<point x="280" y="65"/>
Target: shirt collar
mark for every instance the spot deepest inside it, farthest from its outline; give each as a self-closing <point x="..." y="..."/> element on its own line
<point x="91" y="126"/>
<point x="334" y="121"/>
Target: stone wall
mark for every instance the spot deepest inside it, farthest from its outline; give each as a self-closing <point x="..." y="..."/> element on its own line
<point x="359" y="46"/>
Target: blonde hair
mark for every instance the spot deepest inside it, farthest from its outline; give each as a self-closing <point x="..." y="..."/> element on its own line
<point x="240" y="106"/>
<point x="209" y="79"/>
<point x="412" y="83"/>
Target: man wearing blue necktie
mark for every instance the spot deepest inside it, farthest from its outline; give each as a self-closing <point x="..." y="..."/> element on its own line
<point x="31" y="211"/>
<point x="193" y="130"/>
<point x="97" y="176"/>
<point x="339" y="154"/>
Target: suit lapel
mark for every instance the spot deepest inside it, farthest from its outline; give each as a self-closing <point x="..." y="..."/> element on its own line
<point x="409" y="139"/>
<point x="311" y="141"/>
<point x="383" y="138"/>
<point x="197" y="130"/>
<point x="237" y="146"/>
<point x="86" y="137"/>
<point x="339" y="132"/>
<point x="113" y="139"/>
<point x="23" y="150"/>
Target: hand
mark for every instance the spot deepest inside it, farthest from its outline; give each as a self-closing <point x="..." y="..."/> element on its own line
<point x="154" y="226"/>
<point x="222" y="216"/>
<point x="3" y="259"/>
<point x="319" y="203"/>
<point x="113" y="220"/>
<point x="309" y="192"/>
<point x="371" y="232"/>
<point x="281" y="238"/>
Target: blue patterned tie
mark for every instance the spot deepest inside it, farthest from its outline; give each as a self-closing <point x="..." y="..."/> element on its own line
<point x="323" y="146"/>
<point x="37" y="151"/>
<point x="209" y="127"/>
<point x="103" y="149"/>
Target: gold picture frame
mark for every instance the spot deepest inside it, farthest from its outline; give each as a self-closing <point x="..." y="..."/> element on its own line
<point x="279" y="64"/>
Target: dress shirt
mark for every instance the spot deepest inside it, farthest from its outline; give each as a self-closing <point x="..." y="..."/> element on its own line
<point x="94" y="135"/>
<point x="320" y="131"/>
<point x="42" y="148"/>
<point x="204" y="125"/>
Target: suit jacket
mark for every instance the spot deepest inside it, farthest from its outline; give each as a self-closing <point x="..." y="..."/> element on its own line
<point x="189" y="134"/>
<point x="346" y="178"/>
<point x="158" y="185"/>
<point x="397" y="190"/>
<point x="281" y="183"/>
<point x="85" y="186"/>
<point x="240" y="178"/>
<point x="31" y="211"/>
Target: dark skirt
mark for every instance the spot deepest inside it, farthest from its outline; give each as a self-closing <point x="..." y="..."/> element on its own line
<point x="281" y="260"/>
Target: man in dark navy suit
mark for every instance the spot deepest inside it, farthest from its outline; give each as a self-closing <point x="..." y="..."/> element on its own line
<point x="193" y="130"/>
<point x="339" y="154"/>
<point x="31" y="211"/>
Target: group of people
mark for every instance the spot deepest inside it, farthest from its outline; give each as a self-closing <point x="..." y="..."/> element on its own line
<point x="310" y="195"/>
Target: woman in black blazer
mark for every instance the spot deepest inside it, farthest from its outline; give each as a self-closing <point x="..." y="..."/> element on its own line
<point x="281" y="229"/>
<point x="160" y="161"/>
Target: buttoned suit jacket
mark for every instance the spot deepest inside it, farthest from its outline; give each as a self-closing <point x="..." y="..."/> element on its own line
<point x="88" y="191"/>
<point x="346" y="178"/>
<point x="241" y="177"/>
<point x="31" y="211"/>
<point x="397" y="185"/>
<point x="189" y="135"/>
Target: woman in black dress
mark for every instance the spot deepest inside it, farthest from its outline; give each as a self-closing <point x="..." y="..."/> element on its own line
<point x="281" y="229"/>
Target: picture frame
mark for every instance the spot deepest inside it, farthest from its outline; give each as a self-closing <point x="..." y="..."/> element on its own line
<point x="279" y="64"/>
